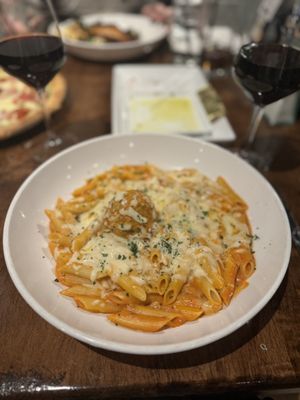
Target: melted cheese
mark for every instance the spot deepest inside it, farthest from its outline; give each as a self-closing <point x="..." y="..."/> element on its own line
<point x="130" y="212"/>
<point x="191" y="226"/>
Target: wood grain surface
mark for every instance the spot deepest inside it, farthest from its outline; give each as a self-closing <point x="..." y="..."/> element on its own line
<point x="38" y="361"/>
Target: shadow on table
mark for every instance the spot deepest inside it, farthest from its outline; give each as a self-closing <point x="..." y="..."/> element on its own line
<point x="207" y="353"/>
<point x="22" y="137"/>
<point x="280" y="152"/>
<point x="286" y="154"/>
<point x="71" y="133"/>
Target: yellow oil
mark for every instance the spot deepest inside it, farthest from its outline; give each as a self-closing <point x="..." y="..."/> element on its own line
<point x="173" y="114"/>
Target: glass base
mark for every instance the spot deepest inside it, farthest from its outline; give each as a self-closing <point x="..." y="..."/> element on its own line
<point x="53" y="142"/>
<point x="259" y="161"/>
<point x="52" y="145"/>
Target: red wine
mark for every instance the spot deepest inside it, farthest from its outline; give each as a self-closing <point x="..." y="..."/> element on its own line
<point x="34" y="59"/>
<point x="267" y="71"/>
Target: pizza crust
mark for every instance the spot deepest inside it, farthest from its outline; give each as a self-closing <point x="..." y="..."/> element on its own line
<point x="57" y="91"/>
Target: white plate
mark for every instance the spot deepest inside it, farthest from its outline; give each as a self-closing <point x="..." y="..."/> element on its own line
<point x="134" y="84"/>
<point x="31" y="268"/>
<point x="150" y="34"/>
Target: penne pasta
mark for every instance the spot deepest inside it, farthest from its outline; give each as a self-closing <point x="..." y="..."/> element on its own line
<point x="189" y="313"/>
<point x="122" y="298"/>
<point x="230" y="275"/>
<point x="79" y="208"/>
<point x="208" y="291"/>
<point x="235" y="198"/>
<point x="213" y="273"/>
<point x="96" y="305"/>
<point x="82" y="290"/>
<point x="145" y="323"/>
<point x="129" y="285"/>
<point x="86" y="235"/>
<point x="172" y="291"/>
<point x="152" y="249"/>
<point x="83" y="271"/>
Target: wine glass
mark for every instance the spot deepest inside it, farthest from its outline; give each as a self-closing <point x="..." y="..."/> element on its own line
<point x="267" y="71"/>
<point x="221" y="37"/>
<point x="189" y="19"/>
<point x="29" y="53"/>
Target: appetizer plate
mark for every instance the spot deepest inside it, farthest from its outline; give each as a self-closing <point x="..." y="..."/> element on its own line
<point x="31" y="267"/>
<point x="163" y="99"/>
<point x="150" y="35"/>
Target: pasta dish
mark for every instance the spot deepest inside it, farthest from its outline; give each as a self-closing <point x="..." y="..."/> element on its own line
<point x="98" y="33"/>
<point x="152" y="249"/>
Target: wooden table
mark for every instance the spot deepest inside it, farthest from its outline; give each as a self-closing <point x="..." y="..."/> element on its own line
<point x="38" y="361"/>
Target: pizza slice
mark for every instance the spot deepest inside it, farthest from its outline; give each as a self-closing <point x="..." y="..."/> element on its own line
<point x="20" y="107"/>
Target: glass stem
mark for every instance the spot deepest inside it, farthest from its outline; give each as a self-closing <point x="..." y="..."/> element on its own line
<point x="52" y="139"/>
<point x="257" y="115"/>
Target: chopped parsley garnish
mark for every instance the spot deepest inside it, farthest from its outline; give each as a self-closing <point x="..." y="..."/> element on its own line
<point x="133" y="247"/>
<point x="252" y="237"/>
<point x="176" y="253"/>
<point x="166" y="245"/>
<point x="102" y="264"/>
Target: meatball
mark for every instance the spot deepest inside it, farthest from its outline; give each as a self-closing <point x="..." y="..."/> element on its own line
<point x="131" y="212"/>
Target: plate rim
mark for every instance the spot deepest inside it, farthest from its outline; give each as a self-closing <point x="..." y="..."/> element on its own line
<point x="116" y="126"/>
<point x="139" y="349"/>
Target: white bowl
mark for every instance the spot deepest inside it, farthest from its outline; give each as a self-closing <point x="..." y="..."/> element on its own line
<point x="150" y="35"/>
<point x="31" y="268"/>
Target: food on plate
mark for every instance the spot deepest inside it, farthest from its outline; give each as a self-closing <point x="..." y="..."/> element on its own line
<point x="163" y="114"/>
<point x="152" y="248"/>
<point x="98" y="33"/>
<point x="20" y="107"/>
